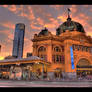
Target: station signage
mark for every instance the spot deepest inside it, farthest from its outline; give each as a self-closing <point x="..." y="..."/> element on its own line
<point x="72" y="57"/>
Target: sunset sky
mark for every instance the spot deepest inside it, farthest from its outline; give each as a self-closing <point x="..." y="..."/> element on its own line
<point x="35" y="18"/>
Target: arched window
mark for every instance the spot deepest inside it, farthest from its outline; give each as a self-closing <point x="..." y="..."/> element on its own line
<point x="83" y="62"/>
<point x="57" y="49"/>
<point x="57" y="56"/>
<point x="42" y="53"/>
<point x="42" y="48"/>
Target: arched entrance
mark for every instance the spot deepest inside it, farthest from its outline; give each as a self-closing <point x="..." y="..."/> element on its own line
<point x="58" y="73"/>
<point x="83" y="68"/>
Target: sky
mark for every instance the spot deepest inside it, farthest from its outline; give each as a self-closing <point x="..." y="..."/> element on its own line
<point x="35" y="18"/>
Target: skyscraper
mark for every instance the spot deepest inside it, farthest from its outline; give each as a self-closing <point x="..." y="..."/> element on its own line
<point x="18" y="42"/>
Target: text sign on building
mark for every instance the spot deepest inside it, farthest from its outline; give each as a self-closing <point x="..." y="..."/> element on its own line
<point x="72" y="58"/>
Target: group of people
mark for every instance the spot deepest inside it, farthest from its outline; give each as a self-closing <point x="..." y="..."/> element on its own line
<point x="84" y="76"/>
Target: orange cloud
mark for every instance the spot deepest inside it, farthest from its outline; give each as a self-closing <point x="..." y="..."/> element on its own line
<point x="27" y="46"/>
<point x="30" y="15"/>
<point x="40" y="21"/>
<point x="73" y="8"/>
<point x="83" y="16"/>
<point x="4" y="32"/>
<point x="56" y="7"/>
<point x="89" y="34"/>
<point x="53" y="24"/>
<point x="35" y="27"/>
<point x="5" y="6"/>
<point x="8" y="24"/>
<point x="11" y="36"/>
<point x="13" y="8"/>
<point x="62" y="18"/>
<point x="3" y="52"/>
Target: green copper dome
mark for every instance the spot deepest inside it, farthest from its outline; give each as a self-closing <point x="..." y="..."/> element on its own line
<point x="44" y="32"/>
<point x="69" y="25"/>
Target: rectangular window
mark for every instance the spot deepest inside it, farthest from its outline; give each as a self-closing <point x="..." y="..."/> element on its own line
<point x="73" y="47"/>
<point x="46" y="57"/>
<point x="53" y="58"/>
<point x="63" y="59"/>
<point x="86" y="49"/>
<point x="90" y="49"/>
<point x="60" y="59"/>
<point x="62" y="48"/>
<point x="57" y="58"/>
<point x="78" y="47"/>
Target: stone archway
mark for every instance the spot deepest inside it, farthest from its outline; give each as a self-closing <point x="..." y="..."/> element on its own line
<point x="83" y="62"/>
<point x="83" y="67"/>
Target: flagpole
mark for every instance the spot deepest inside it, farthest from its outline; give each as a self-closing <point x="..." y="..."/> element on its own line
<point x="68" y="13"/>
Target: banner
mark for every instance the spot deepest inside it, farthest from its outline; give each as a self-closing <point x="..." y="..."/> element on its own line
<point x="72" y="58"/>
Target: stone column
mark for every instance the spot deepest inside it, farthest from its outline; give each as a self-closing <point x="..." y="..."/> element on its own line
<point x="49" y="53"/>
<point x="70" y="73"/>
<point x="35" y="50"/>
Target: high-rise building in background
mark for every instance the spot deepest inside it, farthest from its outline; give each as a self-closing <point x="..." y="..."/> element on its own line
<point x="18" y="42"/>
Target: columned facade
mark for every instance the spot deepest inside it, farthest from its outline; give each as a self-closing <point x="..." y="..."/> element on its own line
<point x="70" y="38"/>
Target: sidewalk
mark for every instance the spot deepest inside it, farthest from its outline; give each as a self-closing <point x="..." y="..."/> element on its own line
<point x="46" y="80"/>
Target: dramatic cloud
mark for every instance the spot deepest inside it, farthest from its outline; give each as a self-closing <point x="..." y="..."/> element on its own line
<point x="36" y="17"/>
<point x="56" y="7"/>
<point x="8" y="24"/>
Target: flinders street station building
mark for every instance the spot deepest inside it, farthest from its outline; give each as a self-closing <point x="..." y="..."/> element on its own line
<point x="68" y="54"/>
<point x="69" y="51"/>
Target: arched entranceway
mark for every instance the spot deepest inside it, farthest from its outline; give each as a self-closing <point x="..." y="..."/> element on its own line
<point x="83" y="68"/>
<point x="58" y="73"/>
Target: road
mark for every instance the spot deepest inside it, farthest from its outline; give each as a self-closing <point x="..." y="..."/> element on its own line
<point x="10" y="83"/>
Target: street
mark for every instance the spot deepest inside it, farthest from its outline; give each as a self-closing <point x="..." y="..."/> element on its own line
<point x="10" y="83"/>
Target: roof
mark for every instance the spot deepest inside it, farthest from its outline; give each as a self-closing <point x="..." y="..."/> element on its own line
<point x="69" y="25"/>
<point x="44" y="32"/>
<point x="21" y="60"/>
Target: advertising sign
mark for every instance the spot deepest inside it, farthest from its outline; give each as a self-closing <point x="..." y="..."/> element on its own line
<point x="72" y="58"/>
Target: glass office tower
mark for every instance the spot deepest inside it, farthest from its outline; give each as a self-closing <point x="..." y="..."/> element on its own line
<point x="18" y="42"/>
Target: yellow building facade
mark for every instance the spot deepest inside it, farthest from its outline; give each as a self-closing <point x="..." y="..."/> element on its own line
<point x="68" y="54"/>
<point x="56" y="49"/>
